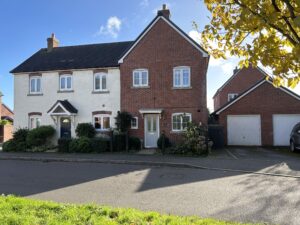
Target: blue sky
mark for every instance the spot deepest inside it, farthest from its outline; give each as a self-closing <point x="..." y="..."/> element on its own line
<point x="25" y="26"/>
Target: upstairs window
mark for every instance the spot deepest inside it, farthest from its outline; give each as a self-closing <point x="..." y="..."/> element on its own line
<point x="100" y="82"/>
<point x="140" y="78"/>
<point x="180" y="121"/>
<point x="65" y="82"/>
<point x="232" y="96"/>
<point x="102" y="122"/>
<point x="182" y="77"/>
<point x="35" y="85"/>
<point x="34" y="121"/>
<point x="134" y="123"/>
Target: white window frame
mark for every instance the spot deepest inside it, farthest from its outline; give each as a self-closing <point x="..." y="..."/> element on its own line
<point x="101" y="116"/>
<point x="35" y="118"/>
<point x="35" y="84"/>
<point x="137" y="123"/>
<point x="179" y="114"/>
<point x="100" y="75"/>
<point x="65" y="76"/>
<point x="231" y="96"/>
<point x="181" y="69"/>
<point x="140" y="72"/>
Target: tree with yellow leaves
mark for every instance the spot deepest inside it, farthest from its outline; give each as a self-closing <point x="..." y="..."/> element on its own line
<point x="257" y="31"/>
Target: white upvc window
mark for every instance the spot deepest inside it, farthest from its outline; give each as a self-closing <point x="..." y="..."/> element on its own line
<point x="232" y="96"/>
<point x="134" y="123"/>
<point x="182" y="77"/>
<point x="180" y="121"/>
<point x="140" y="78"/>
<point x="100" y="82"/>
<point x="101" y="122"/>
<point x="34" y="121"/>
<point x="35" y="85"/>
<point x="65" y="82"/>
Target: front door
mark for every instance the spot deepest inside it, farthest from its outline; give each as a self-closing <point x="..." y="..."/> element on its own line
<point x="65" y="127"/>
<point x="151" y="130"/>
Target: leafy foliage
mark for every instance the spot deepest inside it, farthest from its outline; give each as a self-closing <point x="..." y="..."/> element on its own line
<point x="160" y="140"/>
<point x="85" y="130"/>
<point x="82" y="144"/>
<point x="63" y="144"/>
<point x="18" y="142"/>
<point x="257" y="31"/>
<point x="39" y="136"/>
<point x="100" y="144"/>
<point x="135" y="143"/>
<point x="123" y="121"/>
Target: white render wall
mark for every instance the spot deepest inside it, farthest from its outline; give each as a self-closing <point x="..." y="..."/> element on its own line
<point x="82" y="98"/>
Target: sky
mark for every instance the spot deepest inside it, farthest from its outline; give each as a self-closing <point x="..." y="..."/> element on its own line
<point x="25" y="26"/>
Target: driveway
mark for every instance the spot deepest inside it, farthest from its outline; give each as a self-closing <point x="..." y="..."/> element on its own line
<point x="185" y="191"/>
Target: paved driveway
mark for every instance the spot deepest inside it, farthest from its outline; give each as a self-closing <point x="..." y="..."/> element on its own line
<point x="207" y="193"/>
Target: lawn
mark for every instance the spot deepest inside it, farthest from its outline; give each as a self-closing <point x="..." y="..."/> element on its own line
<point x="23" y="211"/>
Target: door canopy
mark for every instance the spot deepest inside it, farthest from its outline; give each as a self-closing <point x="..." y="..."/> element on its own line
<point x="62" y="108"/>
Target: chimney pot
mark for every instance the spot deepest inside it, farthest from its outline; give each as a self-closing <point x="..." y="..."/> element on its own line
<point x="235" y="70"/>
<point x="165" y="12"/>
<point x="52" y="42"/>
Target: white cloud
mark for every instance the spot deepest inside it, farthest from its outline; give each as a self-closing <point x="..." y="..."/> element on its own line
<point x="112" y="27"/>
<point x="144" y="3"/>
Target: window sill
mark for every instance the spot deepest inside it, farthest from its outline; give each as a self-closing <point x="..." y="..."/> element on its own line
<point x="181" y="88"/>
<point x="138" y="87"/>
<point x="100" y="92"/>
<point x="134" y="128"/>
<point x="177" y="131"/>
<point x="65" y="91"/>
<point x="37" y="94"/>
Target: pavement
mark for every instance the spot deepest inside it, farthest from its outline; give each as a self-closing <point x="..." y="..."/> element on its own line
<point x="117" y="180"/>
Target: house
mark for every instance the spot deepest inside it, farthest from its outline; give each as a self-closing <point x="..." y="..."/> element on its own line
<point x="160" y="78"/>
<point x="258" y="114"/>
<point x="5" y="114"/>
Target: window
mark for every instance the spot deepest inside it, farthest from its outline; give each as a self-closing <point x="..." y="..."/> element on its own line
<point x="100" y="82"/>
<point x="35" y="85"/>
<point x="180" y="121"/>
<point x="182" y="77"/>
<point x="232" y="96"/>
<point x="134" y="123"/>
<point x="140" y="78"/>
<point x="102" y="122"/>
<point x="65" y="82"/>
<point x="34" y="121"/>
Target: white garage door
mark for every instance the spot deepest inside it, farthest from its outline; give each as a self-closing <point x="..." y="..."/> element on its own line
<point x="282" y="127"/>
<point x="244" y="130"/>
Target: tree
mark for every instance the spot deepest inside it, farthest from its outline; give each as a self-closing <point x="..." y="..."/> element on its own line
<point x="260" y="31"/>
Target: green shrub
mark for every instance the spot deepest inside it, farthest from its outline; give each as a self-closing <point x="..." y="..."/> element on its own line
<point x="134" y="143"/>
<point x="14" y="146"/>
<point x="100" y="144"/>
<point x="85" y="130"/>
<point x="63" y="144"/>
<point x="123" y="121"/>
<point x="82" y="144"/>
<point x="119" y="142"/>
<point x="160" y="140"/>
<point x="20" y="135"/>
<point x="39" y="136"/>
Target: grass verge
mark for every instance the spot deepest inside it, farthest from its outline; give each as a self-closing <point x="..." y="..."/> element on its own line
<point x="23" y="211"/>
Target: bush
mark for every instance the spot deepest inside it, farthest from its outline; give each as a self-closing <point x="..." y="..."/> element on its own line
<point x="123" y="121"/>
<point x="167" y="142"/>
<point x="63" y="144"/>
<point x="85" y="130"/>
<point x="134" y="143"/>
<point x="20" y="135"/>
<point x="39" y="136"/>
<point x="17" y="143"/>
<point x="216" y="134"/>
<point x="82" y="144"/>
<point x="119" y="142"/>
<point x="100" y="144"/>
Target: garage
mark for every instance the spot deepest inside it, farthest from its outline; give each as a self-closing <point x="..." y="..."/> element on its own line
<point x="282" y="127"/>
<point x="244" y="130"/>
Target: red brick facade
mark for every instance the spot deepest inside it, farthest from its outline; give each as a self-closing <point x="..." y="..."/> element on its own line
<point x="7" y="130"/>
<point x="265" y="100"/>
<point x="159" y="51"/>
<point x="240" y="81"/>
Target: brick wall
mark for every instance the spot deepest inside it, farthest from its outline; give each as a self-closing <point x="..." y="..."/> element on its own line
<point x="160" y="51"/>
<point x="265" y="100"/>
<point x="243" y="80"/>
<point x="6" y="111"/>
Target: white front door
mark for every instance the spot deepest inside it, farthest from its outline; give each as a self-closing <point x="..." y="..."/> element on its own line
<point x="244" y="130"/>
<point x="151" y="130"/>
<point x="282" y="128"/>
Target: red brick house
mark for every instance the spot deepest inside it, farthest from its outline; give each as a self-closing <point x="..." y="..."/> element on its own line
<point x="260" y="114"/>
<point x="5" y="114"/>
<point x="163" y="81"/>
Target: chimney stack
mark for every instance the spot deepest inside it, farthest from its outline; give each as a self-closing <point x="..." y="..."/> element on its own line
<point x="235" y="70"/>
<point x="52" y="42"/>
<point x="164" y="12"/>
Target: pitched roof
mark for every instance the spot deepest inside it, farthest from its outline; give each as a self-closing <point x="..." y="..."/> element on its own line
<point x="66" y="105"/>
<point x="8" y="109"/>
<point x="174" y="26"/>
<point x="252" y="88"/>
<point x="75" y="57"/>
